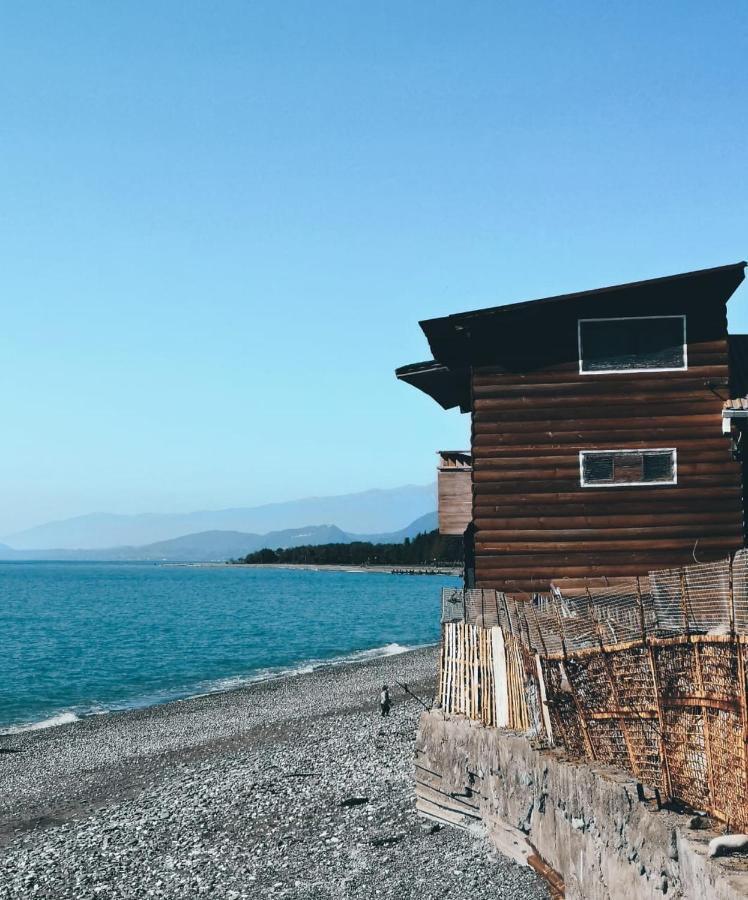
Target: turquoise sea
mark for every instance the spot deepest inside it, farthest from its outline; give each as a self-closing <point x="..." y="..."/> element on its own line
<point x="79" y="639"/>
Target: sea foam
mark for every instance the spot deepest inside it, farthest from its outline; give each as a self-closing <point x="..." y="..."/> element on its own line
<point x="63" y="718"/>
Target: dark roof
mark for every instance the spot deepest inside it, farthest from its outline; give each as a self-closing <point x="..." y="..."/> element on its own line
<point x="515" y="335"/>
<point x="578" y="295"/>
<point x="450" y="336"/>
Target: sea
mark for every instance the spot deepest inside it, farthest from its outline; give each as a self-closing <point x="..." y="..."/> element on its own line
<point x="80" y="639"/>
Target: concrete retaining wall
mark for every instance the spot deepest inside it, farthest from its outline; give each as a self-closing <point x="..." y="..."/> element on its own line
<point x="585" y="821"/>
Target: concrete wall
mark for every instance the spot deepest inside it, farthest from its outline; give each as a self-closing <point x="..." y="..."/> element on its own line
<point x="585" y="821"/>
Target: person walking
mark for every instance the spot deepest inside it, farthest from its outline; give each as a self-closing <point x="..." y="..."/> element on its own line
<point x="384" y="701"/>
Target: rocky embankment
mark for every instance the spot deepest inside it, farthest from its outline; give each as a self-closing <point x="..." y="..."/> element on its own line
<point x="294" y="788"/>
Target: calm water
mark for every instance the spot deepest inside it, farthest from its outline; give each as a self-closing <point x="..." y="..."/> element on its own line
<point x="82" y="638"/>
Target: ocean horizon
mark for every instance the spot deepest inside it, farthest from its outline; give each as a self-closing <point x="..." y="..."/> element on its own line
<point x="80" y="639"/>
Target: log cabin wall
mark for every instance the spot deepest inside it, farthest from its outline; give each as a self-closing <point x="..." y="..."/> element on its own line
<point x="532" y="414"/>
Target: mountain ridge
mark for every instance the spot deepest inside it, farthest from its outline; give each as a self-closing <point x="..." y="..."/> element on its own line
<point x="219" y="545"/>
<point x="365" y="512"/>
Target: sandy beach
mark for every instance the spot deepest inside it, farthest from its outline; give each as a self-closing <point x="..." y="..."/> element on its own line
<point x="292" y="788"/>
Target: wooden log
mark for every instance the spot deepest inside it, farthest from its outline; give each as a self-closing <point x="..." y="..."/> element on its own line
<point x="631" y="410"/>
<point x="502" y="385"/>
<point x="620" y="395"/>
<point x="596" y="535"/>
<point x="494" y="496"/>
<point x="600" y="519"/>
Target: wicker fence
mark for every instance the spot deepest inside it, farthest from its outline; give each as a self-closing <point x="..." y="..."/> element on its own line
<point x="649" y="676"/>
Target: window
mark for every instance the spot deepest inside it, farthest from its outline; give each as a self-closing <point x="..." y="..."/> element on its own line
<point x="632" y="345"/>
<point x="625" y="468"/>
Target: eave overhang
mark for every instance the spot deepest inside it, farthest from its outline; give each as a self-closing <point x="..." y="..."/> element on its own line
<point x="448" y="387"/>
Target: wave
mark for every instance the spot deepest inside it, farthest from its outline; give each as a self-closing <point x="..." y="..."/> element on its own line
<point x="303" y="668"/>
<point x="63" y="718"/>
<point x="214" y="686"/>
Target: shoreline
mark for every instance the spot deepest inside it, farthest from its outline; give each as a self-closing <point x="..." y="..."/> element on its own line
<point x="223" y="685"/>
<point x="452" y="571"/>
<point x="294" y="787"/>
<point x="190" y="725"/>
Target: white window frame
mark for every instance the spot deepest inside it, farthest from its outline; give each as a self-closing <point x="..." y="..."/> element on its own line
<point x="583" y="371"/>
<point x="626" y="484"/>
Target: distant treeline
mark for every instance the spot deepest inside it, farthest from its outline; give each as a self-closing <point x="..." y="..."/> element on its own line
<point x="429" y="548"/>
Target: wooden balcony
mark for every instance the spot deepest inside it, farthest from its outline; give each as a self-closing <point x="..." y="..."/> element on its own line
<point x="455" y="480"/>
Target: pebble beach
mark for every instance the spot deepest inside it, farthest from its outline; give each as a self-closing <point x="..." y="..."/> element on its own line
<point x="290" y="788"/>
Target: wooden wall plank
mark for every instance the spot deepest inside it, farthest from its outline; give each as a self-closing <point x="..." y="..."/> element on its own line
<point x="535" y="522"/>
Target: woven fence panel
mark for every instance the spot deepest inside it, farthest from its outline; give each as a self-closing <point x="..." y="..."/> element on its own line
<point x="634" y="680"/>
<point x="676" y="670"/>
<point x="644" y="740"/>
<point x="720" y="677"/>
<point x="648" y="675"/>
<point x="566" y="722"/>
<point x="726" y="754"/>
<point x="685" y="751"/>
<point x="608" y="742"/>
<point x="588" y="677"/>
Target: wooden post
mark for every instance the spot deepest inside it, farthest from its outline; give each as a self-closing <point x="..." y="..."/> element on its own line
<point x="501" y="686"/>
<point x="743" y="696"/>
<point x="440" y="682"/>
<point x="684" y="601"/>
<point x="705" y="719"/>
<point x="544" y="701"/>
<point x="664" y="766"/>
<point x="446" y="699"/>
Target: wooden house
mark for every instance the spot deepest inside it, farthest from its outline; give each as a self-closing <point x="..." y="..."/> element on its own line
<point x="606" y="430"/>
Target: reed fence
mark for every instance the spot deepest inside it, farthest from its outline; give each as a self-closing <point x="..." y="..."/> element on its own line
<point x="647" y="675"/>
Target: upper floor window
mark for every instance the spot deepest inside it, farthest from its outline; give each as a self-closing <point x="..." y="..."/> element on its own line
<point x="616" y="468"/>
<point x="641" y="344"/>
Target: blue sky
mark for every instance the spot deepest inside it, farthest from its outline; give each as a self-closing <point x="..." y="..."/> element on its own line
<point x="220" y="222"/>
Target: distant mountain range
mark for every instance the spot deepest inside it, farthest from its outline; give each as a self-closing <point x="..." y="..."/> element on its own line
<point x="217" y="545"/>
<point x="368" y="512"/>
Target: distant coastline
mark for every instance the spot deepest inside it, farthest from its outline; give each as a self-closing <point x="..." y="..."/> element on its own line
<point x="455" y="571"/>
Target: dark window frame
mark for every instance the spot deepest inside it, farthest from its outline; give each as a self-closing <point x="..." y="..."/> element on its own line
<point x="624" y="484"/>
<point x="583" y="371"/>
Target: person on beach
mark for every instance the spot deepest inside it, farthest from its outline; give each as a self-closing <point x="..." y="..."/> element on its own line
<point x="384" y="701"/>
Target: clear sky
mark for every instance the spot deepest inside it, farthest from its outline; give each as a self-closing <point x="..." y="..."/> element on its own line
<point x="220" y="222"/>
